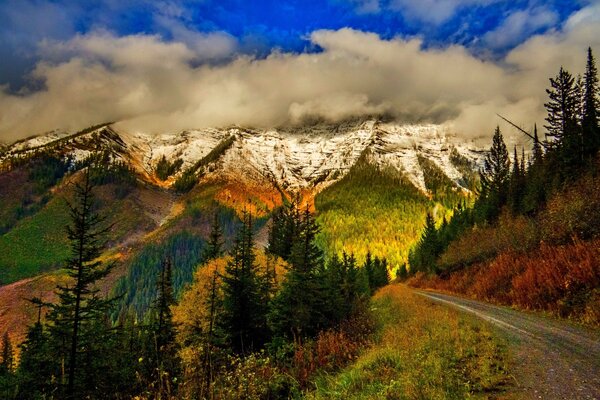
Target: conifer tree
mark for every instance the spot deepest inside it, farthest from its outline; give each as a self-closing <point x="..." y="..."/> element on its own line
<point x="423" y="257"/>
<point x="591" y="107"/>
<point x="297" y="310"/>
<point x="214" y="246"/>
<point x="537" y="151"/>
<point x="494" y="179"/>
<point x="369" y="270"/>
<point x="516" y="182"/>
<point x="167" y="363"/>
<point x="36" y="364"/>
<point x="563" y="121"/>
<point x="243" y="319"/>
<point x="7" y="363"/>
<point x="77" y="325"/>
<point x="284" y="229"/>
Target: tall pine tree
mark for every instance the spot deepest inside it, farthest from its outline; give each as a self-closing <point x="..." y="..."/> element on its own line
<point x="297" y="309"/>
<point x="77" y="321"/>
<point x="591" y="104"/>
<point x="243" y="318"/>
<point x="494" y="179"/>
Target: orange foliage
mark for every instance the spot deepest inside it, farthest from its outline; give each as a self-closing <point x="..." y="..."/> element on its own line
<point x="561" y="279"/>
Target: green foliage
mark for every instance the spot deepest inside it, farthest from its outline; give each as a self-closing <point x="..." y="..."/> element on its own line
<point x="442" y="188"/>
<point x="495" y="177"/>
<point x="137" y="290"/>
<point x="244" y="317"/>
<point x="165" y="169"/>
<point x="297" y="309"/>
<point x="371" y="209"/>
<point x="186" y="181"/>
<point x="36" y="244"/>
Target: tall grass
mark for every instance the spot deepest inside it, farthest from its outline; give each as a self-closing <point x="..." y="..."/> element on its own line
<point x="423" y="351"/>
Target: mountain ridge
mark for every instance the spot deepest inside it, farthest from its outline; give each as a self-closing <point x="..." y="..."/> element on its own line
<point x="307" y="158"/>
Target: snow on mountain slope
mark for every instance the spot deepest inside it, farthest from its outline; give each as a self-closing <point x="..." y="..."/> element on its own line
<point x="307" y="157"/>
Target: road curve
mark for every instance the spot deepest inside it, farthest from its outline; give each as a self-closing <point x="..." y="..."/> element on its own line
<point x="552" y="359"/>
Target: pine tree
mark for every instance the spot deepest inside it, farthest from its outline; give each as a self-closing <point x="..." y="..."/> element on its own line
<point x="515" y="191"/>
<point x="591" y="107"/>
<point x="37" y="363"/>
<point x="284" y="229"/>
<point x="369" y="270"/>
<point x="77" y="321"/>
<point x="214" y="247"/>
<point x="167" y="363"/>
<point x="243" y="319"/>
<point x="494" y="179"/>
<point x="563" y="121"/>
<point x="537" y="151"/>
<point x="297" y="310"/>
<point x="8" y="363"/>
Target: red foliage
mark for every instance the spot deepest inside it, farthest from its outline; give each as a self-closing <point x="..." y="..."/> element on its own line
<point x="561" y="279"/>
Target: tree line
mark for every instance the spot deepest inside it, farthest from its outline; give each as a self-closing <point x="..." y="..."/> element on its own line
<point x="524" y="185"/>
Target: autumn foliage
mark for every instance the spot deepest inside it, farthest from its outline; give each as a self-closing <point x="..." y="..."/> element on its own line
<point x="560" y="279"/>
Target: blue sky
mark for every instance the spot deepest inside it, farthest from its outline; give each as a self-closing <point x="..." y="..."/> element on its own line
<point x="260" y="26"/>
<point x="161" y="66"/>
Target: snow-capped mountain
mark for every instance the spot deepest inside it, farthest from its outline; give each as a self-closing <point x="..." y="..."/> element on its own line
<point x="298" y="158"/>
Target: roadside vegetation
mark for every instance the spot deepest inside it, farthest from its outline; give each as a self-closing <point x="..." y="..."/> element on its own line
<point x="531" y="238"/>
<point x="421" y="351"/>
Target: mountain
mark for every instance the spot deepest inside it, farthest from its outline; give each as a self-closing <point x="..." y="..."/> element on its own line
<point x="293" y="159"/>
<point x="370" y="182"/>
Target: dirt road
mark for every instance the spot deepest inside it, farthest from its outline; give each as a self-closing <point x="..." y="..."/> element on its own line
<point x="552" y="359"/>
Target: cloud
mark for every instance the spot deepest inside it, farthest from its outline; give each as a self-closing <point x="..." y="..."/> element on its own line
<point x="519" y="25"/>
<point x="153" y="85"/>
<point x="434" y="11"/>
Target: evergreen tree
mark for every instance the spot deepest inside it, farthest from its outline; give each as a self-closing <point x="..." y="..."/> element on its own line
<point x="214" y="247"/>
<point x="516" y="183"/>
<point x="8" y="362"/>
<point x="297" y="309"/>
<point x="494" y="179"/>
<point x="381" y="276"/>
<point x="369" y="270"/>
<point x="591" y="107"/>
<point x="562" y="121"/>
<point x="284" y="228"/>
<point x="167" y="363"/>
<point x="36" y="364"/>
<point x="7" y="376"/>
<point x="537" y="151"/>
<point x="77" y="327"/>
<point x="243" y="319"/>
<point x="423" y="257"/>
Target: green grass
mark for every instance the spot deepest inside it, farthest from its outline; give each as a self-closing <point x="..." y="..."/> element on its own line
<point x="423" y="351"/>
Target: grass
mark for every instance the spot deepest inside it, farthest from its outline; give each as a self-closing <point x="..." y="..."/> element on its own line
<point x="423" y="351"/>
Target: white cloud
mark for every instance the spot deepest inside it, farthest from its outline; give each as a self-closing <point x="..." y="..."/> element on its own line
<point x="153" y="85"/>
<point x="434" y="11"/>
<point x="519" y="25"/>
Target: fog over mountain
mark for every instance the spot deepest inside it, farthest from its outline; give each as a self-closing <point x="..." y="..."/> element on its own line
<point x="196" y="80"/>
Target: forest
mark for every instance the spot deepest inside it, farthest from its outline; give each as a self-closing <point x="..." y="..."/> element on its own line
<point x="255" y="311"/>
<point x="531" y="237"/>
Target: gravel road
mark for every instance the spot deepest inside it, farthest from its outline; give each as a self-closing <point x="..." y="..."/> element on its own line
<point x="552" y="359"/>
